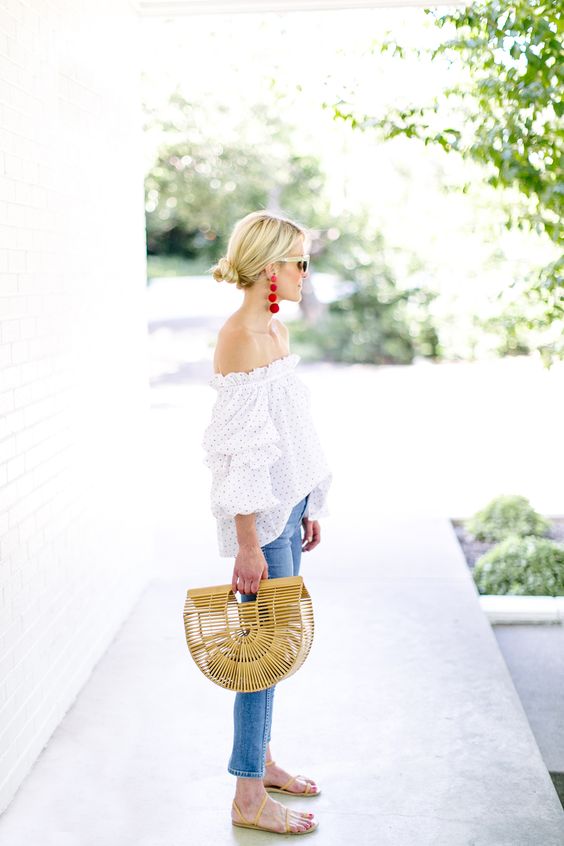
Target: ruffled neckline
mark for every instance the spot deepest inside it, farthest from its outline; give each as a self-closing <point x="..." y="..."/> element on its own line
<point x="266" y="373"/>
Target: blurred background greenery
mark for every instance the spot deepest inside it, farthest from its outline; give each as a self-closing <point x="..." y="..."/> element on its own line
<point x="425" y="159"/>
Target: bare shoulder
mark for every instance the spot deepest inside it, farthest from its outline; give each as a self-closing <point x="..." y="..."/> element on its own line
<point x="236" y="351"/>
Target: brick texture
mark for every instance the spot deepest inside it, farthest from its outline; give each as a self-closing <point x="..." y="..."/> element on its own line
<point x="75" y="538"/>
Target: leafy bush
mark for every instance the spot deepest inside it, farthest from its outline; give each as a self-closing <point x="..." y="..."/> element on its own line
<point x="506" y="515"/>
<point x="523" y="566"/>
<point x="376" y="322"/>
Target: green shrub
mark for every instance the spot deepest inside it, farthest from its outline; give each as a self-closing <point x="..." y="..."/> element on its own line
<point x="522" y="566"/>
<point x="506" y="515"/>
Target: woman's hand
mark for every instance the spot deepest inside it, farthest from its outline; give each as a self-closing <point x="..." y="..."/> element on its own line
<point x="250" y="567"/>
<point x="312" y="534"/>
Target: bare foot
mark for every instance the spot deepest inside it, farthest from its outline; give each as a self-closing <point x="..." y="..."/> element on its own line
<point x="275" y="776"/>
<point x="273" y="814"/>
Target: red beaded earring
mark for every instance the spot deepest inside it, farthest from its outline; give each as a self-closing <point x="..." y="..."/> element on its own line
<point x="274" y="307"/>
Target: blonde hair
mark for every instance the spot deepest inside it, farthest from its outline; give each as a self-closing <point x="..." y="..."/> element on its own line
<point x="258" y="239"/>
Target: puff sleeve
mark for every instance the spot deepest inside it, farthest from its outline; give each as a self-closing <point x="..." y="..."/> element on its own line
<point x="241" y="447"/>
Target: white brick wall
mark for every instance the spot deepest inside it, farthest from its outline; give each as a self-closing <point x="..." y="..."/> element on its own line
<point x="75" y="538"/>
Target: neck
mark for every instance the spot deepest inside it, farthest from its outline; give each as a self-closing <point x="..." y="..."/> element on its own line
<point x="254" y="311"/>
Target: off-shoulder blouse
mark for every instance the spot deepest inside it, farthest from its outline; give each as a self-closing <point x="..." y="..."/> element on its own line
<point x="264" y="452"/>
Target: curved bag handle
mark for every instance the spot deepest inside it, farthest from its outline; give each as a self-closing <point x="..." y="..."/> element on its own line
<point x="265" y="586"/>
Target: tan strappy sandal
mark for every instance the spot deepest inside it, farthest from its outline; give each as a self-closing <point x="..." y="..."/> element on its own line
<point x="307" y="792"/>
<point x="254" y="824"/>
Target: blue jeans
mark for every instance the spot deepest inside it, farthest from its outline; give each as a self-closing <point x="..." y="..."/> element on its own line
<point x="252" y="712"/>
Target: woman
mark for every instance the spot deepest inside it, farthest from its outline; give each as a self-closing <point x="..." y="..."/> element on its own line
<point x="269" y="477"/>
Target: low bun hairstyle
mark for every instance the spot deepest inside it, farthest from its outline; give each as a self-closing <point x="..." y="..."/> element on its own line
<point x="258" y="239"/>
<point x="224" y="270"/>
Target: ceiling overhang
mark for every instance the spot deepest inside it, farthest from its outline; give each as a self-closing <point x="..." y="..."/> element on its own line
<point x="173" y="8"/>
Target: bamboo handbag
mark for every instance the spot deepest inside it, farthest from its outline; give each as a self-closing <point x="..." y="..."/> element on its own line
<point x="252" y="645"/>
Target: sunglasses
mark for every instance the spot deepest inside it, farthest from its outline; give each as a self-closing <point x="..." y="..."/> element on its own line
<point x="303" y="261"/>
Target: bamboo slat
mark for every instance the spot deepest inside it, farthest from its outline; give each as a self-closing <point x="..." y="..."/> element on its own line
<point x="249" y="646"/>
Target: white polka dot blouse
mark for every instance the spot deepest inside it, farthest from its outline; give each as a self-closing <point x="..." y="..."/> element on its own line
<point x="263" y="451"/>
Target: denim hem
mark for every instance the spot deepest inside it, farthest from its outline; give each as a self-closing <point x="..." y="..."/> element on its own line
<point x="243" y="774"/>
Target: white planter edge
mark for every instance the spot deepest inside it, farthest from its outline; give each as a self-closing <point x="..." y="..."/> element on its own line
<point x="523" y="609"/>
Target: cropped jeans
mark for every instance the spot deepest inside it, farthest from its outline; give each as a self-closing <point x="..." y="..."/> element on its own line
<point x="252" y="712"/>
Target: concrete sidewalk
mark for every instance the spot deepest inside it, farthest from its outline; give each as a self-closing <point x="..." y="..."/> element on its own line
<point x="404" y="713"/>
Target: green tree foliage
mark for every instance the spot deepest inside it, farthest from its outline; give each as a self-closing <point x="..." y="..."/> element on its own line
<point x="507" y="117"/>
<point x="375" y="322"/>
<point x="200" y="184"/>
